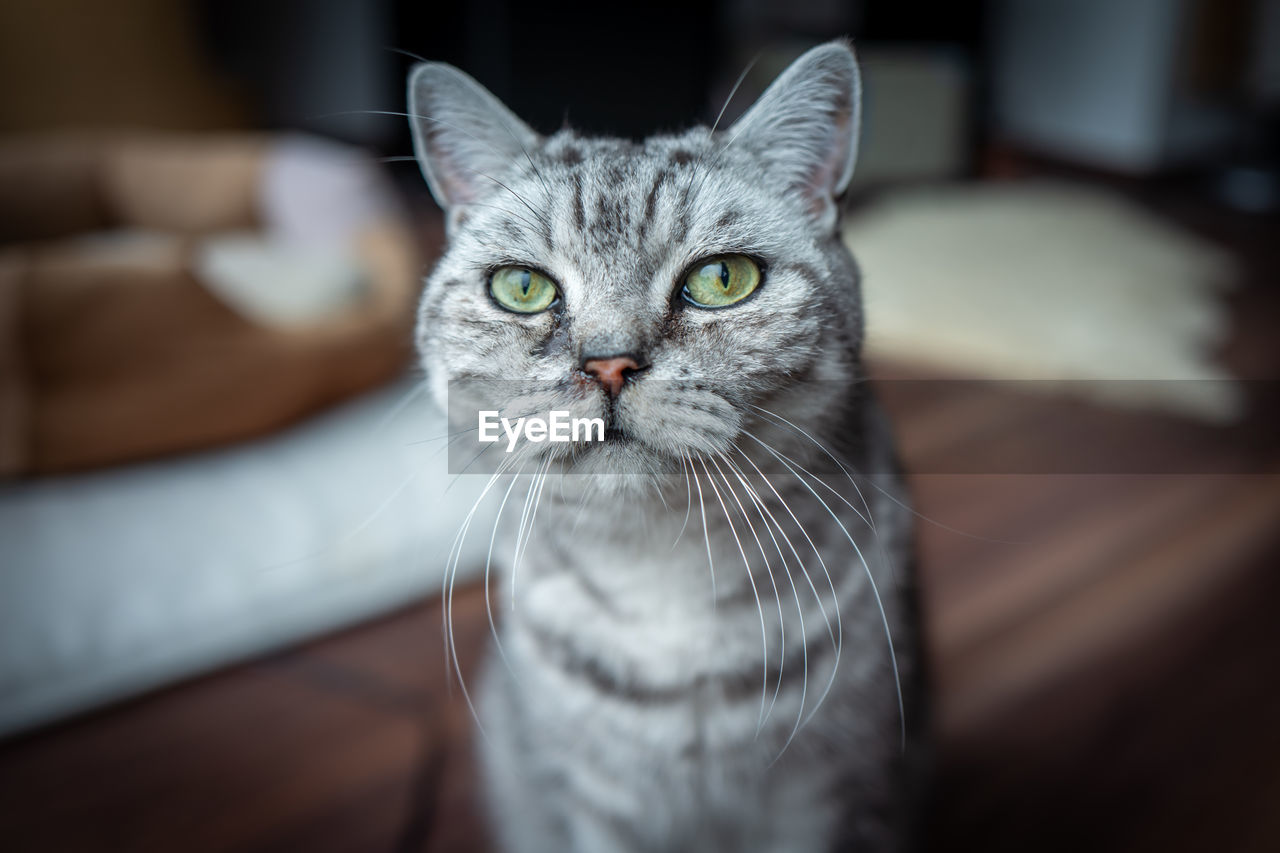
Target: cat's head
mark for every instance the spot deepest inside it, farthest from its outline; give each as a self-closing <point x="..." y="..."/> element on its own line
<point x="667" y="287"/>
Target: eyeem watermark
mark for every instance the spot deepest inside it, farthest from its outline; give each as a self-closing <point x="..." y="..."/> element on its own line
<point x="559" y="427"/>
<point x="1106" y="426"/>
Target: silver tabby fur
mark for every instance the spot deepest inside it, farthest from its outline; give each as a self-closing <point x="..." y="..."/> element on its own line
<point x="637" y="704"/>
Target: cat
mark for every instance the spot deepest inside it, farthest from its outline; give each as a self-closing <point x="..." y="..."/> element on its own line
<point x="713" y="644"/>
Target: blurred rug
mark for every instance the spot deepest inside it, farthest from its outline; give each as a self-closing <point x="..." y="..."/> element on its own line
<point x="1047" y="281"/>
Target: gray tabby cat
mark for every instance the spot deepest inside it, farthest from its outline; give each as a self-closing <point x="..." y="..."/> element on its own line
<point x="698" y="654"/>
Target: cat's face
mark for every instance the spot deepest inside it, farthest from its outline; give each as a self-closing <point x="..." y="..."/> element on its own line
<point x="665" y="287"/>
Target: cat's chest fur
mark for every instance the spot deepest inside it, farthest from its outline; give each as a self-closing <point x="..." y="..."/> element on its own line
<point x="708" y="591"/>
<point x="657" y="700"/>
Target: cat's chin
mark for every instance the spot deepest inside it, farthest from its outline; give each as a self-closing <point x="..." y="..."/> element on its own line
<point x="619" y="455"/>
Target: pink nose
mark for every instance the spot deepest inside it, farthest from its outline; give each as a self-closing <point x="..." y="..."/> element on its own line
<point x="611" y="372"/>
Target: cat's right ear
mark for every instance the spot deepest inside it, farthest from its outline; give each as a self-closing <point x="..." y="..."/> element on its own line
<point x="464" y="138"/>
<point x="805" y="127"/>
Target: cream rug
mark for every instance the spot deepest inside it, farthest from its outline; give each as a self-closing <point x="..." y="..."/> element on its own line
<point x="1040" y="280"/>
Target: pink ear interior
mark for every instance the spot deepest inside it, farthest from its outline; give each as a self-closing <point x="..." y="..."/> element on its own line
<point x="457" y="181"/>
<point x="821" y="187"/>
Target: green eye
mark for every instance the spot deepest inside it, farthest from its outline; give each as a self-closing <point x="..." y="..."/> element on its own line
<point x="522" y="290"/>
<point x="718" y="282"/>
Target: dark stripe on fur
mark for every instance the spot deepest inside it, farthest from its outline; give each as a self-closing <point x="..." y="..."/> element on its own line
<point x="733" y="687"/>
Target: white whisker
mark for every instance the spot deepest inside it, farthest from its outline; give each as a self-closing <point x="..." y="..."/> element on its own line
<point x="526" y="524"/>
<point x="688" y="500"/>
<point x="893" y="657"/>
<point x="737" y="84"/>
<point x="869" y="517"/>
<point x="706" y="534"/>
<point x="450" y="576"/>
<point x="746" y="565"/>
<point x="359" y="528"/>
<point x="795" y="592"/>
<point x="488" y="563"/>
<point x="777" y="596"/>
<point x="890" y="495"/>
<point x="834" y="632"/>
<point x="400" y="405"/>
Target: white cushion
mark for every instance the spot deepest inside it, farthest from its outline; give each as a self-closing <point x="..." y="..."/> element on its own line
<point x="119" y="580"/>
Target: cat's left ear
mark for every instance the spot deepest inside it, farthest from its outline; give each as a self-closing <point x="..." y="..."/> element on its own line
<point x="465" y="139"/>
<point x="805" y="127"/>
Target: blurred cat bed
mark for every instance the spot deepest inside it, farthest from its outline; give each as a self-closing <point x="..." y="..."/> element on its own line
<point x="1040" y="280"/>
<point x="167" y="293"/>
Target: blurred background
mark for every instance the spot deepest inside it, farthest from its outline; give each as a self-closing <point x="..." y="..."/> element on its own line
<point x="223" y="515"/>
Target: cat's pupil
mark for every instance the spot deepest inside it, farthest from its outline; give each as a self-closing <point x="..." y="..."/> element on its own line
<point x="724" y="275"/>
<point x="525" y="278"/>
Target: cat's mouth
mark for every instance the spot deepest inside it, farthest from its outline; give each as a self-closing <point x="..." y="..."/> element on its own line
<point x="620" y="451"/>
<point x="615" y="435"/>
<point x="615" y="431"/>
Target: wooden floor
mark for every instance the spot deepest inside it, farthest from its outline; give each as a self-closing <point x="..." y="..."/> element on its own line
<point x="1105" y="647"/>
